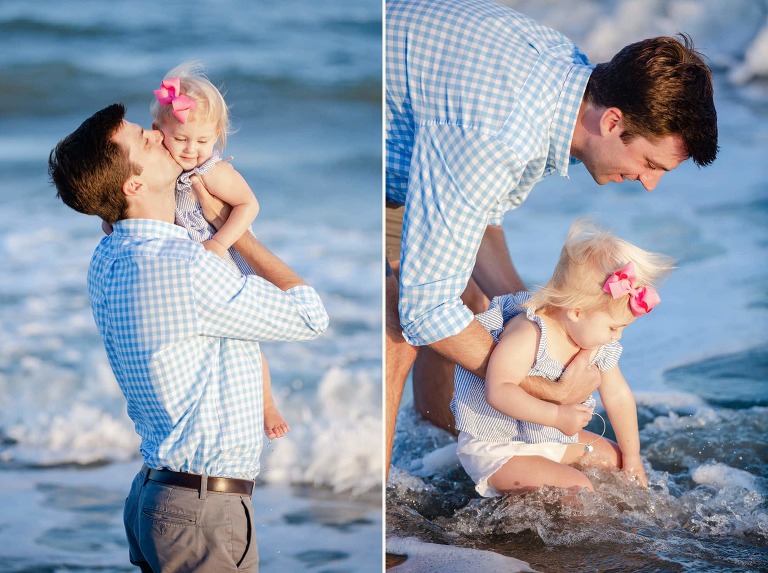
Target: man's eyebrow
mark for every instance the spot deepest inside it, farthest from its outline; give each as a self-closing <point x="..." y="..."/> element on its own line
<point x="657" y="164"/>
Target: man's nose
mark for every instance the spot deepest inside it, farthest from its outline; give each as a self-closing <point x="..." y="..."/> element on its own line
<point x="156" y="136"/>
<point x="650" y="179"/>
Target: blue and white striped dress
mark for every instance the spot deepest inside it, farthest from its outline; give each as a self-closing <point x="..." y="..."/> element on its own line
<point x="483" y="422"/>
<point x="189" y="214"/>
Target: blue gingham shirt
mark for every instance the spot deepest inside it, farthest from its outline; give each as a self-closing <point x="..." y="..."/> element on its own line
<point x="475" y="416"/>
<point x="481" y="105"/>
<point x="181" y="330"/>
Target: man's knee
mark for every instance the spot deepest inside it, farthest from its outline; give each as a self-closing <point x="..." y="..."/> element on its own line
<point x="392" y="315"/>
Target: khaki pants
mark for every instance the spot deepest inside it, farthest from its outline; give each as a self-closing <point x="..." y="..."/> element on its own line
<point x="174" y="529"/>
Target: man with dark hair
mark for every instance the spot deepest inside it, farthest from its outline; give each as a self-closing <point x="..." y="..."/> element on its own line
<point x="482" y="103"/>
<point x="93" y="167"/>
<point x="181" y="331"/>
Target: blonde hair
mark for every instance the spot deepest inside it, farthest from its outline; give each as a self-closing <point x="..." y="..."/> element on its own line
<point x="589" y="256"/>
<point x="210" y="104"/>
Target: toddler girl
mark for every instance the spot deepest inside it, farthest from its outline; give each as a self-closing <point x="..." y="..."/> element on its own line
<point x="194" y="119"/>
<point x="508" y="439"/>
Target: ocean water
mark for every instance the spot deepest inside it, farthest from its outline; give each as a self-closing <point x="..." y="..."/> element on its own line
<point x="303" y="80"/>
<point x="698" y="364"/>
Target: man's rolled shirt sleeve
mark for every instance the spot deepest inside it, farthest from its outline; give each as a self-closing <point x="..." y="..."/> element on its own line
<point x="460" y="181"/>
<point x="251" y="308"/>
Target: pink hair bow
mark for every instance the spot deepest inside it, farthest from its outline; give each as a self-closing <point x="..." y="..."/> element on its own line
<point x="170" y="93"/>
<point x="641" y="300"/>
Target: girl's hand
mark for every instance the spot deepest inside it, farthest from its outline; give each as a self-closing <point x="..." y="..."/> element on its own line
<point x="632" y="466"/>
<point x="214" y="246"/>
<point x="214" y="209"/>
<point x="572" y="417"/>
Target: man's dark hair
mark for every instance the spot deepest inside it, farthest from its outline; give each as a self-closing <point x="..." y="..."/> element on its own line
<point x="88" y="168"/>
<point x="662" y="87"/>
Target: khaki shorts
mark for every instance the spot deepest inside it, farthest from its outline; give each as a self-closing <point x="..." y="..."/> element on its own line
<point x="393" y="232"/>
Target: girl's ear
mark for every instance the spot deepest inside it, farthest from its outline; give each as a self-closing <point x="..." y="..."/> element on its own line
<point x="573" y="314"/>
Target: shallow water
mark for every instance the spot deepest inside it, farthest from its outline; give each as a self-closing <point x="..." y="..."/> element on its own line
<point x="694" y="516"/>
<point x="70" y="519"/>
<point x="706" y="508"/>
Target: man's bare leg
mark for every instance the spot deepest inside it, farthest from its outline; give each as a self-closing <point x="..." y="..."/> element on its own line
<point x="399" y="357"/>
<point x="433" y="374"/>
<point x="433" y="388"/>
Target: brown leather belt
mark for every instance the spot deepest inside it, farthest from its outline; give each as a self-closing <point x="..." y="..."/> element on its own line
<point x="193" y="481"/>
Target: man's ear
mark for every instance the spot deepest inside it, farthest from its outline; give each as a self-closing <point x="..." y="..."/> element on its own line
<point x="611" y="121"/>
<point x="132" y="186"/>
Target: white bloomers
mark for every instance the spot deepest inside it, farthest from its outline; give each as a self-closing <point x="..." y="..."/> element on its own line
<point x="482" y="459"/>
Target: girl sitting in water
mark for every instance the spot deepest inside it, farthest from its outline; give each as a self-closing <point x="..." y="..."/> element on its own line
<point x="194" y="119"/>
<point x="508" y="439"/>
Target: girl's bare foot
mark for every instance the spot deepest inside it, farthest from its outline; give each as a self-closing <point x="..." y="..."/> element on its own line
<point x="274" y="424"/>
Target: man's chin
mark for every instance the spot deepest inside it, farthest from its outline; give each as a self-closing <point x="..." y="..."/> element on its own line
<point x="597" y="177"/>
<point x="602" y="179"/>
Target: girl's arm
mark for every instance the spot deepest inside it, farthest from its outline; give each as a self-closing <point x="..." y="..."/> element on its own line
<point x="224" y="182"/>
<point x="509" y="365"/>
<point x="621" y="407"/>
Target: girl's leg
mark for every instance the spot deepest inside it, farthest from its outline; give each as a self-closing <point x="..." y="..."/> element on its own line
<point x="605" y="454"/>
<point x="274" y="424"/>
<point x="533" y="472"/>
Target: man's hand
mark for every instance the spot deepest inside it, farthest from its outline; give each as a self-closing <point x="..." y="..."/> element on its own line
<point x="576" y="384"/>
<point x="214" y="209"/>
<point x="579" y="380"/>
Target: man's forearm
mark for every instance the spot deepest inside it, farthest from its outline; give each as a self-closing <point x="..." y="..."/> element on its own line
<point x="265" y="264"/>
<point x="494" y="271"/>
<point x="471" y="348"/>
<point x="544" y="389"/>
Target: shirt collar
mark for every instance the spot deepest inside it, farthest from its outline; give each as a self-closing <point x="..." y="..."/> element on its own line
<point x="150" y="228"/>
<point x="565" y="116"/>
